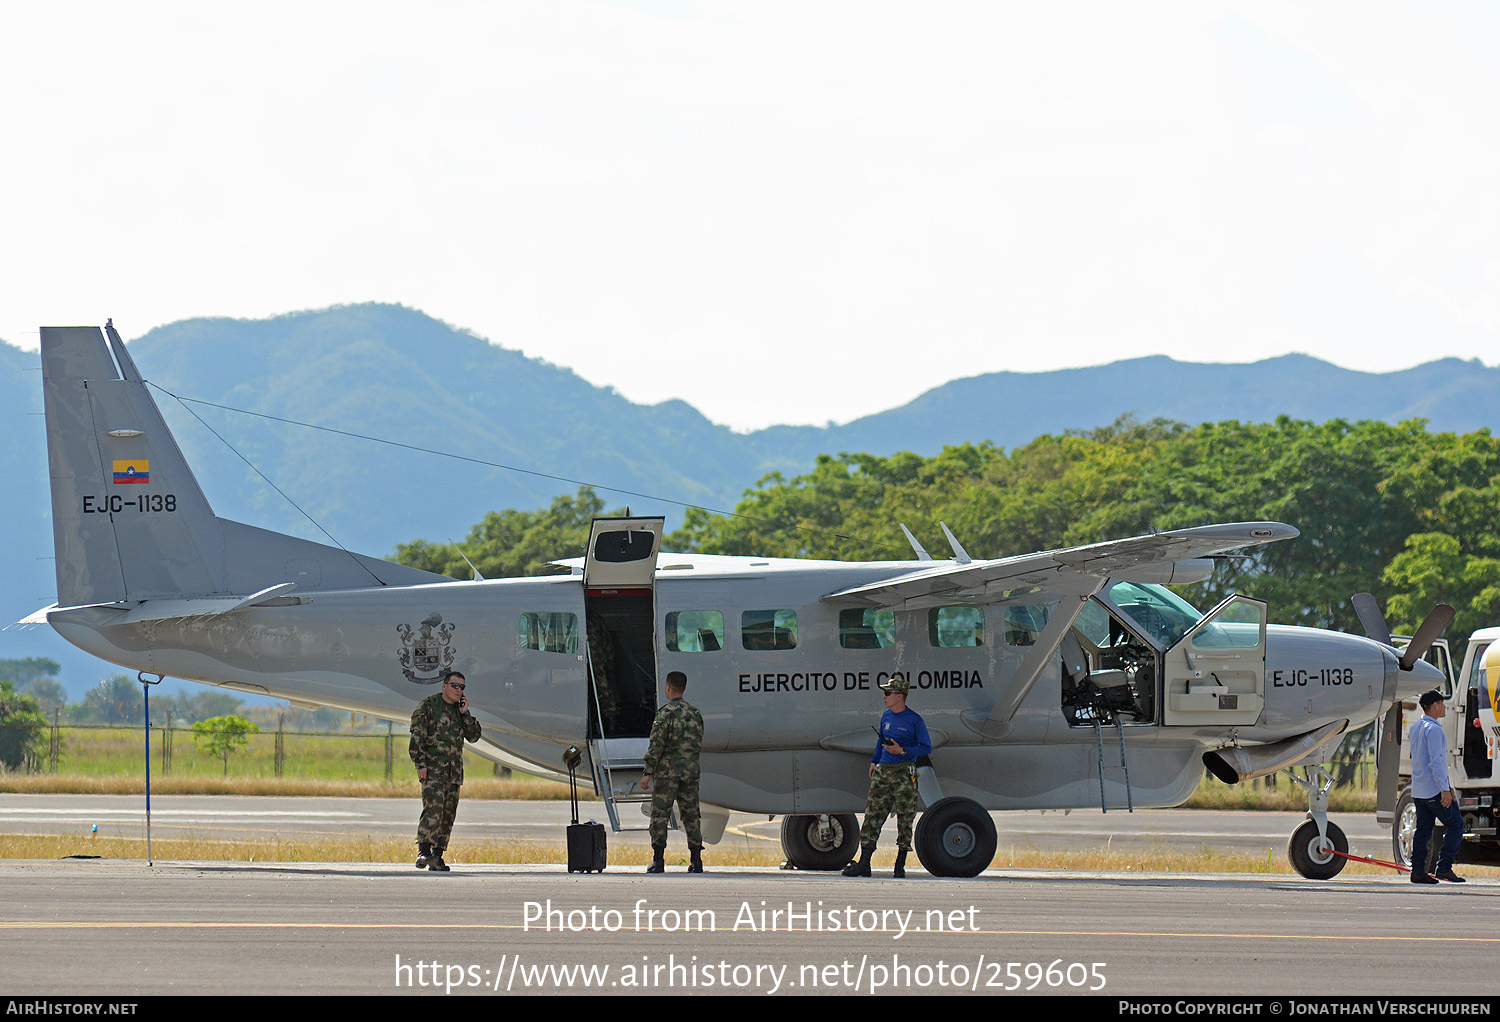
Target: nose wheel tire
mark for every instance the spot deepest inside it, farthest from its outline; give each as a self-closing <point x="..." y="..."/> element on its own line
<point x="1313" y="857"/>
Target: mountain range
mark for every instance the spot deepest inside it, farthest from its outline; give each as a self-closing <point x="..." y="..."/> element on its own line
<point x="394" y="373"/>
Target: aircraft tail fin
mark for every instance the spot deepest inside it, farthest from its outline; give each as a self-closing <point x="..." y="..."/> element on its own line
<point x="129" y="520"/>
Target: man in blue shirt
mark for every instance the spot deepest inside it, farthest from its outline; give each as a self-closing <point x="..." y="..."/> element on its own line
<point x="1432" y="795"/>
<point x="893" y="778"/>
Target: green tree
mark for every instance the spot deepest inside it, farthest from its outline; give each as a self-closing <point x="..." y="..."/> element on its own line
<point x="1433" y="569"/>
<point x="186" y="708"/>
<point x="49" y="694"/>
<point x="219" y="736"/>
<point x="512" y="543"/>
<point x="115" y="700"/>
<point x="23" y="672"/>
<point x="21" y="727"/>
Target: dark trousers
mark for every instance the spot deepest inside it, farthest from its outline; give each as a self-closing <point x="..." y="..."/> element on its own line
<point x="1428" y="810"/>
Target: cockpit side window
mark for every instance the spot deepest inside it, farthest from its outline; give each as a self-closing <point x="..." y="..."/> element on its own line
<point x="1159" y="613"/>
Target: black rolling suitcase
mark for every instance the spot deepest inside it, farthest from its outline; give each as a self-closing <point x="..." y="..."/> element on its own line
<point x="588" y="848"/>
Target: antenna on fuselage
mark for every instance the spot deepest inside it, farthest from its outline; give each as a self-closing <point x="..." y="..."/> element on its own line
<point x="959" y="553"/>
<point x="477" y="575"/>
<point x="922" y="555"/>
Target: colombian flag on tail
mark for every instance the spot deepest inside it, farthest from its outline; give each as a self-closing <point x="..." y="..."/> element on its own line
<point x="137" y="471"/>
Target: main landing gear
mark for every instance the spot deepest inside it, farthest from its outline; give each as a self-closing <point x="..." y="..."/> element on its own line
<point x="822" y="842"/>
<point x="955" y="837"/>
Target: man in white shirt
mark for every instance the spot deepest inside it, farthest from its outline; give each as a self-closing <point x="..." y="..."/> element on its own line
<point x="1432" y="795"/>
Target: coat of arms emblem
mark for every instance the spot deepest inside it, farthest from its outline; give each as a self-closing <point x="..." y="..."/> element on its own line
<point x="425" y="654"/>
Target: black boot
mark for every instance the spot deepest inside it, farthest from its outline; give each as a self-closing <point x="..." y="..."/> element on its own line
<point x="695" y="859"/>
<point x="435" y="863"/>
<point x="657" y="864"/>
<point x="862" y="867"/>
<point x="900" y="871"/>
<point x="424" y="855"/>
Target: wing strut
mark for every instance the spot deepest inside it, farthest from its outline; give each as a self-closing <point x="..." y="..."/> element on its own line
<point x="996" y="724"/>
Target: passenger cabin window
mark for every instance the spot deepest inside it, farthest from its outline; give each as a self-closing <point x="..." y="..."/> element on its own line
<point x="549" y="632"/>
<point x="1023" y="624"/>
<point x="867" y="628"/>
<point x="695" y="631"/>
<point x="950" y="627"/>
<point x="768" y="629"/>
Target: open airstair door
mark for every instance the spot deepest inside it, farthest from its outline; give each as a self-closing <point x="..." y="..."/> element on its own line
<point x="619" y="575"/>
<point x="1216" y="673"/>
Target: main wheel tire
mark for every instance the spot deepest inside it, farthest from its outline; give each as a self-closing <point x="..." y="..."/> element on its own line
<point x="1404" y="832"/>
<point x="807" y="847"/>
<point x="1312" y="857"/>
<point x="955" y="838"/>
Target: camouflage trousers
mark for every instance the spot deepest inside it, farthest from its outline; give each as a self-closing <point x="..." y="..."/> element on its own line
<point x="439" y="807"/>
<point x="893" y="789"/>
<point x="684" y="791"/>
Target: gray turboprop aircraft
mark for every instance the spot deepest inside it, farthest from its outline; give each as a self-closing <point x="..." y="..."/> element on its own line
<point x="1057" y="680"/>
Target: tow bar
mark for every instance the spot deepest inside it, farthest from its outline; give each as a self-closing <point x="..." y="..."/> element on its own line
<point x="1373" y="862"/>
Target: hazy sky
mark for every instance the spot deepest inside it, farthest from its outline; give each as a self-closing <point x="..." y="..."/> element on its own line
<point x="780" y="212"/>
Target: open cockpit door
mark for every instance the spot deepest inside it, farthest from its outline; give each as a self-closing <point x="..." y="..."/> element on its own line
<point x="1216" y="673"/>
<point x="619" y="575"/>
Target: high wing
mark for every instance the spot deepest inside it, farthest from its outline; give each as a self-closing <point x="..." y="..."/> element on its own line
<point x="1164" y="557"/>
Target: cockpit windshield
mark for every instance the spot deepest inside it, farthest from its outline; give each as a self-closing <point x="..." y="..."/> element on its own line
<point x="1159" y="613"/>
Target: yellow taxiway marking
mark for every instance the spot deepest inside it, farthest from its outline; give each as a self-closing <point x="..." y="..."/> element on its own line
<point x="78" y="924"/>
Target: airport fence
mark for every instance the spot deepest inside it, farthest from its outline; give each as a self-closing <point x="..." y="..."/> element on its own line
<point x="373" y="753"/>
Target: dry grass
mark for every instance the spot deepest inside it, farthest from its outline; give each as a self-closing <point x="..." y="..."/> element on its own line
<point x="383" y="850"/>
<point x="1211" y="793"/>
<point x="1285" y="797"/>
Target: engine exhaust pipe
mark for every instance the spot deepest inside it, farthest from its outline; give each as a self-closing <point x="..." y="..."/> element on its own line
<point x="1241" y="763"/>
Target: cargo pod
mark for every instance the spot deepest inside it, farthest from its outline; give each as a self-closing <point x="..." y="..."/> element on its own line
<point x="1216" y="674"/>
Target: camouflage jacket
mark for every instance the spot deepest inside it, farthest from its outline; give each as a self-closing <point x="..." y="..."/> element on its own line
<point x="438" y="733"/>
<point x="676" y="740"/>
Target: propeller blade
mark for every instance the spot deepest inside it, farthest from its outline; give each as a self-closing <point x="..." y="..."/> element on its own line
<point x="1427" y="633"/>
<point x="1371" y="618"/>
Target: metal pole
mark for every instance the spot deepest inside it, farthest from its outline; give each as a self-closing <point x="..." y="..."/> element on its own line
<point x="146" y="700"/>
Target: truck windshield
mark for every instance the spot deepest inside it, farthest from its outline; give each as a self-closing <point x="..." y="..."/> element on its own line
<point x="1159" y="613"/>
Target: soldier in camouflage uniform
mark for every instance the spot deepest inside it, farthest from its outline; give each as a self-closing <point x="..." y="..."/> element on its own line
<point x="602" y="661"/>
<point x="893" y="778"/>
<point x="672" y="773"/>
<point x="439" y="728"/>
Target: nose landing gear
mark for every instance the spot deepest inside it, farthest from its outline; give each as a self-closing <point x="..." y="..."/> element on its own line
<point x="1318" y="849"/>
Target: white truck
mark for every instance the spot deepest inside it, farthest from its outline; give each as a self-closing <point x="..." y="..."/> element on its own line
<point x="1473" y="732"/>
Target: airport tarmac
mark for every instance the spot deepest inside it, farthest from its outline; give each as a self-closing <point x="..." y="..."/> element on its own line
<point x="120" y="928"/>
<point x="226" y="817"/>
<point x="115" y="929"/>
